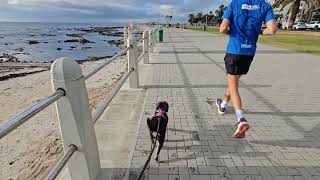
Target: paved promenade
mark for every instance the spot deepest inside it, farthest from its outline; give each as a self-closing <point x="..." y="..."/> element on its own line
<point x="281" y="100"/>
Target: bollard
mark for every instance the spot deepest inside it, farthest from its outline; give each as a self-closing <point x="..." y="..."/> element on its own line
<point x="135" y="48"/>
<point x="130" y="33"/>
<point x="125" y="36"/>
<point x="132" y="63"/>
<point x="150" y="41"/>
<point x="145" y="37"/>
<point x="154" y="37"/>
<point x="75" y="119"/>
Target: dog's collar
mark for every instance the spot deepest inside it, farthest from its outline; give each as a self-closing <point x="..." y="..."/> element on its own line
<point x="160" y="113"/>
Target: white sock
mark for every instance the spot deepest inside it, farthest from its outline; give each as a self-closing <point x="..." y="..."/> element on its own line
<point x="239" y="114"/>
<point x="224" y="104"/>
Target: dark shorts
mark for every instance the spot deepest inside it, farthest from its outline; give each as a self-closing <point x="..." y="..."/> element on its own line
<point x="237" y="64"/>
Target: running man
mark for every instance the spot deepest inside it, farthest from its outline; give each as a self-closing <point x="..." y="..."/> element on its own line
<point x="242" y="21"/>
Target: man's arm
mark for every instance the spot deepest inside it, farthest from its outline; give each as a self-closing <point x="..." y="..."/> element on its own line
<point x="271" y="29"/>
<point x="224" y="26"/>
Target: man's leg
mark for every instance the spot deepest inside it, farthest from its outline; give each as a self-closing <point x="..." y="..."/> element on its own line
<point x="222" y="104"/>
<point x="226" y="96"/>
<point x="233" y="86"/>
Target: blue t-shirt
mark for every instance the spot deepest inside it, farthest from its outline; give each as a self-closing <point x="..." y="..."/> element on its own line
<point x="246" y="17"/>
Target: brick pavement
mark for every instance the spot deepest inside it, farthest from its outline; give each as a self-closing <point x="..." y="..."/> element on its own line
<point x="280" y="98"/>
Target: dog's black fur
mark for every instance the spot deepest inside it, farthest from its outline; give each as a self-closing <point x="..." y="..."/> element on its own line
<point x="153" y="126"/>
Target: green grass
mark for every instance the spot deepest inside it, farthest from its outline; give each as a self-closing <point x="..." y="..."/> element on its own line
<point x="301" y="41"/>
<point x="214" y="30"/>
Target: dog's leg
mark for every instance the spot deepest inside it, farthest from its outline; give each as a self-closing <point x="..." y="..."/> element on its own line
<point x="156" y="156"/>
<point x="152" y="139"/>
<point x="160" y="143"/>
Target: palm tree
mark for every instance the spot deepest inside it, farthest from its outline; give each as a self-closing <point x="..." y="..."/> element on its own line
<point x="210" y="18"/>
<point x="220" y="12"/>
<point x="312" y="5"/>
<point x="294" y="9"/>
<point x="168" y="18"/>
<point x="205" y="18"/>
<point x="199" y="17"/>
<point x="191" y="19"/>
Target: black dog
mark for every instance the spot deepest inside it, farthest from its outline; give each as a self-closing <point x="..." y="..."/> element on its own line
<point x="159" y="116"/>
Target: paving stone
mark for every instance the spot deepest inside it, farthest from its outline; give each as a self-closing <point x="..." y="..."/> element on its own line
<point x="200" y="177"/>
<point x="282" y="142"/>
<point x="250" y="162"/>
<point x="248" y="170"/>
<point x="293" y="156"/>
<point x="290" y="163"/>
<point x="158" y="177"/>
<point x="215" y="162"/>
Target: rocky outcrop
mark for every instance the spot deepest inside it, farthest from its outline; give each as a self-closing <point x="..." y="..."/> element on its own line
<point x="8" y="58"/>
<point x="81" y="40"/>
<point x="105" y="31"/>
<point x="116" y="42"/>
<point x="18" y="49"/>
<point x="48" y="35"/>
<point x="74" y="35"/>
<point x="71" y="40"/>
<point x="85" y="48"/>
<point x="84" y="41"/>
<point x="33" y="42"/>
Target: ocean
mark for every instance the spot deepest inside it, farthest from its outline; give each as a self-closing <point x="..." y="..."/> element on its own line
<point x="15" y="37"/>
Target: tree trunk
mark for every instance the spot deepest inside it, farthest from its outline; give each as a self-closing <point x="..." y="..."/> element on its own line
<point x="294" y="12"/>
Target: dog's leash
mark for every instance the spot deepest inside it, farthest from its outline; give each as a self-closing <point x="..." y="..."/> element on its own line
<point x="149" y="158"/>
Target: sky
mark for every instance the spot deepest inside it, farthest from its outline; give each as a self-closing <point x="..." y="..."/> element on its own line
<point x="102" y="11"/>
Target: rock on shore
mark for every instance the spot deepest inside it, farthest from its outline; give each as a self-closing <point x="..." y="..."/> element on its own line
<point x="75" y="35"/>
<point x="8" y="58"/>
<point x="116" y="42"/>
<point x="105" y="31"/>
<point x="81" y="40"/>
<point x="33" y="42"/>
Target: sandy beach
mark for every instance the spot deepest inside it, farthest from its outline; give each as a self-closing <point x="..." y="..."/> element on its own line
<point x="27" y="152"/>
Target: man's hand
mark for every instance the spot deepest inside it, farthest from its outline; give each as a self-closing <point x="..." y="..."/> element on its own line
<point x="224" y="26"/>
<point x="271" y="29"/>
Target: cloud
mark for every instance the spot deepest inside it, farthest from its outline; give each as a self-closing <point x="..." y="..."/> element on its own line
<point x="168" y="10"/>
<point x="100" y="10"/>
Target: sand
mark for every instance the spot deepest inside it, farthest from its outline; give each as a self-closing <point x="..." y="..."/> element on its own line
<point x="27" y="152"/>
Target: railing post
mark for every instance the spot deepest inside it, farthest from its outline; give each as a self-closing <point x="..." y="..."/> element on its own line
<point x="154" y="37"/>
<point x="145" y="37"/>
<point x="130" y="33"/>
<point x="125" y="36"/>
<point x="75" y="119"/>
<point x="150" y="41"/>
<point x="132" y="63"/>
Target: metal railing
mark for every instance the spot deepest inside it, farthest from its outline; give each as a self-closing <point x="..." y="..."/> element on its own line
<point x="112" y="94"/>
<point x="99" y="67"/>
<point x="61" y="163"/>
<point x="19" y="119"/>
<point x="72" y="105"/>
<point x="141" y="56"/>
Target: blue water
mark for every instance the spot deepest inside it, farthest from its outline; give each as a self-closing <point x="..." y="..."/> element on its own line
<point x="17" y="35"/>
